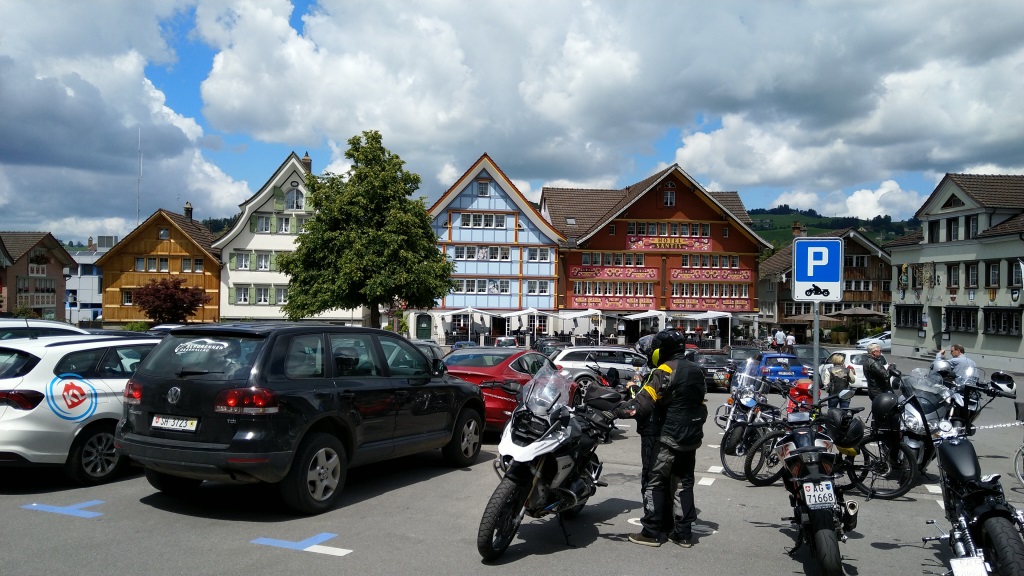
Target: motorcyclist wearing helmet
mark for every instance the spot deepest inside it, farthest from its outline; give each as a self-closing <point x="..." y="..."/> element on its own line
<point x="875" y="372"/>
<point x="648" y="427"/>
<point x="958" y="359"/>
<point x="675" y="395"/>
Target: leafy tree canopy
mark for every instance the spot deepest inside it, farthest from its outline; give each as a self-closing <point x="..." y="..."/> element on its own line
<point x="368" y="242"/>
<point x="167" y="301"/>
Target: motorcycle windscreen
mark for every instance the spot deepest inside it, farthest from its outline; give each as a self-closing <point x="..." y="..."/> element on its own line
<point x="546" y="391"/>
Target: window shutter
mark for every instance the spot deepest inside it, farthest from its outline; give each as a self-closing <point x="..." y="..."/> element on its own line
<point x="231" y="295"/>
<point x="305" y="203"/>
<point x="273" y="262"/>
<point x="273" y="224"/>
<point x="231" y="262"/>
<point x="278" y="198"/>
<point x="252" y="223"/>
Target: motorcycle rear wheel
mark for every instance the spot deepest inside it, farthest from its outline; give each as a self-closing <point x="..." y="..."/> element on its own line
<point x="1003" y="546"/>
<point x="889" y="474"/>
<point x="736" y="442"/>
<point x="826" y="543"/>
<point x="501" y="519"/>
<point x="763" y="466"/>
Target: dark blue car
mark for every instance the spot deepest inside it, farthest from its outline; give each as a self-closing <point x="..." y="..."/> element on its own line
<point x="777" y="366"/>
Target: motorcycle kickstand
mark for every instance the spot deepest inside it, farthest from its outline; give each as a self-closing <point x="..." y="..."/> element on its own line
<point x="565" y="533"/>
<point x="799" y="541"/>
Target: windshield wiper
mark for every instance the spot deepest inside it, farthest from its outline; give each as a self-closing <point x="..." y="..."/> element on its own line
<point x="194" y="372"/>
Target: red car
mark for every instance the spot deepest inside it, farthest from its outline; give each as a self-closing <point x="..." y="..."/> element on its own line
<point x="501" y="372"/>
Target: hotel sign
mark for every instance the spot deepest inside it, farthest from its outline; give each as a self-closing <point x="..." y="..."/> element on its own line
<point x="727" y="275"/>
<point x="611" y="273"/>
<point x="668" y="243"/>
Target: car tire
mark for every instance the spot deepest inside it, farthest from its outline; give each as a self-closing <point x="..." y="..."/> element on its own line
<point x="92" y="458"/>
<point x="172" y="485"/>
<point x="314" y="482"/>
<point x="464" y="447"/>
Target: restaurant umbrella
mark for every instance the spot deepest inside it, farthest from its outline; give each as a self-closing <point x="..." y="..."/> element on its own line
<point x="857" y="315"/>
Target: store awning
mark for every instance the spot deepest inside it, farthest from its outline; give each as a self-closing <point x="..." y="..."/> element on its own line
<point x="708" y="315"/>
<point x="528" y="311"/>
<point x="573" y="314"/>
<point x="647" y="314"/>
<point x="467" y="311"/>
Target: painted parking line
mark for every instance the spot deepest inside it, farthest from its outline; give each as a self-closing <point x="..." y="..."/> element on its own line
<point x="311" y="544"/>
<point x="715" y="469"/>
<point x="706" y="481"/>
<point x="73" y="510"/>
<point x="934" y="488"/>
<point x="714" y="445"/>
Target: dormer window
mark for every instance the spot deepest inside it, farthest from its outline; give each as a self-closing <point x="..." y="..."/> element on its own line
<point x="165" y="233"/>
<point x="570" y="221"/>
<point x="954" y="201"/>
<point x="294" y="199"/>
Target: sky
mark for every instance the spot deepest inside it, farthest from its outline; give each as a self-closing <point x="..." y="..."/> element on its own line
<point x="112" y="109"/>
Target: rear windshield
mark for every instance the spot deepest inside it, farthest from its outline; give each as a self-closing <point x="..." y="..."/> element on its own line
<point x="475" y="359"/>
<point x="214" y="356"/>
<point x="15" y="363"/>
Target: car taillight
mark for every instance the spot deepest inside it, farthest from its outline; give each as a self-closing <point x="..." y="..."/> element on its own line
<point x="132" y="392"/>
<point x="804" y="371"/>
<point x="246" y="401"/>
<point x="765" y="371"/>
<point x="21" y="399"/>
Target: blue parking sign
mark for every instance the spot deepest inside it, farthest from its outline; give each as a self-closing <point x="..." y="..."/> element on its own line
<point x="818" y="269"/>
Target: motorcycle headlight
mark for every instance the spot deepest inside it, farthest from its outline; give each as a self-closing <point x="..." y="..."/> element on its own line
<point x="911" y="420"/>
<point x="748" y="401"/>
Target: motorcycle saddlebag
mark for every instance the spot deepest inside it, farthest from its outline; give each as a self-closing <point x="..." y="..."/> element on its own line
<point x="959" y="460"/>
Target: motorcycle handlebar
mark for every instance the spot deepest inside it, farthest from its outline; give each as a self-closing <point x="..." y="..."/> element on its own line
<point x="988" y="390"/>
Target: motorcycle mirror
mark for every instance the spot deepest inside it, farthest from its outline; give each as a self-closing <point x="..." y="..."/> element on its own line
<point x="847" y="394"/>
<point x="511" y="387"/>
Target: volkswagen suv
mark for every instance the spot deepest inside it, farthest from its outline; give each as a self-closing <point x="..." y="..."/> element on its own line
<point x="290" y="404"/>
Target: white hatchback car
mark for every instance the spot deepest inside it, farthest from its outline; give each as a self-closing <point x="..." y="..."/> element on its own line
<point x="855" y="358"/>
<point x="16" y="328"/>
<point x="60" y="399"/>
<point x="884" y="340"/>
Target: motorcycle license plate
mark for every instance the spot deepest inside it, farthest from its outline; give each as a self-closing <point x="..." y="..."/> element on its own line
<point x="973" y="566"/>
<point x="819" y="495"/>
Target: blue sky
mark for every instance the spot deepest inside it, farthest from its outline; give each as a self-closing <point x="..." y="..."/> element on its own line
<point x="853" y="109"/>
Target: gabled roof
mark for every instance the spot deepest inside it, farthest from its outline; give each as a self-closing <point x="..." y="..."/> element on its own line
<point x="486" y="164"/>
<point x="17" y="244"/>
<point x="987" y="190"/>
<point x="782" y="261"/>
<point x="911" y="239"/>
<point x="249" y="206"/>
<point x="593" y="209"/>
<point x="1014" y="225"/>
<point x="194" y="229"/>
<point x="5" y="257"/>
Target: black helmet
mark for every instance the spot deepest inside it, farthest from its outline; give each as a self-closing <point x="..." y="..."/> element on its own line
<point x="882" y="407"/>
<point x="845" y="435"/>
<point x="645" y="345"/>
<point x="667" y="344"/>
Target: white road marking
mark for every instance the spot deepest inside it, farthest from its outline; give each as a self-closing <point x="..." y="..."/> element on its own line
<point x="714" y="446"/>
<point x="706" y="481"/>
<point x="934" y="488"/>
<point x="941" y="505"/>
<point x="634" y="521"/>
<point x="328" y="550"/>
<point x="715" y="469"/>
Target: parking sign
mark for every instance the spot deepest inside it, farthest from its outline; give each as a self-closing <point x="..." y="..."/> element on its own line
<point x="818" y="269"/>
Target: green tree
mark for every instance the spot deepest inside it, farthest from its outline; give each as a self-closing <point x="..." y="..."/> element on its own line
<point x="368" y="242"/>
<point x="167" y="301"/>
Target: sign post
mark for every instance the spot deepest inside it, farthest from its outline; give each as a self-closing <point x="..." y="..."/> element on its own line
<point x="817" y="278"/>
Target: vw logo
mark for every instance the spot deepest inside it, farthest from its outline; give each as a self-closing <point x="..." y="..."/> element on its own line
<point x="173" y="395"/>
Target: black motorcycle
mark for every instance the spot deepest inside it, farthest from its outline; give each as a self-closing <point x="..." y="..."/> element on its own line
<point x="745" y="417"/>
<point x="985" y="534"/>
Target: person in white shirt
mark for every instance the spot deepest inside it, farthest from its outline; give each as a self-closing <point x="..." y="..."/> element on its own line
<point x="780" y="339"/>
<point x="958" y="360"/>
<point x="790" y="342"/>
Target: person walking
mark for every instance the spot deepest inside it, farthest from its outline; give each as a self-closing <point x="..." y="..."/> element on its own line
<point x="958" y="359"/>
<point x="675" y="393"/>
<point x="836" y="378"/>
<point x="780" y="340"/>
<point x="790" y="342"/>
<point x="875" y="372"/>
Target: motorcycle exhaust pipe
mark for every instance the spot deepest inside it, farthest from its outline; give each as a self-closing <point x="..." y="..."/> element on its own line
<point x="850" y="509"/>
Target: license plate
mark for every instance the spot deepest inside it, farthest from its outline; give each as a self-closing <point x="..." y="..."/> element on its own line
<point x="175" y="423"/>
<point x="973" y="566"/>
<point x="819" y="495"/>
<point x="784" y="373"/>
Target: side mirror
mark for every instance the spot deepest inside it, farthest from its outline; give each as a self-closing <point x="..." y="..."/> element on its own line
<point x="847" y="394"/>
<point x="438" y="367"/>
<point x="639" y="362"/>
<point x="511" y="386"/>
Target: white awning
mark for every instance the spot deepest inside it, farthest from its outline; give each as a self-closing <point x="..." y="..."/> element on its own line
<point x="708" y="315"/>
<point x="573" y="314"/>
<point x="647" y="314"/>
<point x="467" y="311"/>
<point x="525" y="312"/>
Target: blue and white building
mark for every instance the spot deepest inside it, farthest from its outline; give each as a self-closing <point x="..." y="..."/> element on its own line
<point x="506" y="258"/>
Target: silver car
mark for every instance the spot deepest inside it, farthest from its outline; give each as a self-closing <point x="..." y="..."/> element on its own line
<point x="579" y="360"/>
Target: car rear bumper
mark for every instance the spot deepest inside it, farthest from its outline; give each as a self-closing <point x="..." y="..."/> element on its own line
<point x="205" y="462"/>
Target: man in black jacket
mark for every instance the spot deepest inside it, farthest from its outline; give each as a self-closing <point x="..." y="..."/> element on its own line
<point x="875" y="372"/>
<point x="675" y="396"/>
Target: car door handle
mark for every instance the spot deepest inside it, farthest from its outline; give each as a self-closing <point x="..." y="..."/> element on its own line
<point x="402" y="393"/>
<point x="346" y="395"/>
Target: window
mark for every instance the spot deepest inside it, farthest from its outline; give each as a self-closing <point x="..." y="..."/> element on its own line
<point x="618" y="259"/>
<point x="294" y="199"/>
<point x="140" y="264"/>
<point x="284" y="225"/>
<point x="164" y="264"/>
<point x="263" y="261"/>
<point x="694" y="229"/>
<point x="961" y="319"/>
<point x="630" y="228"/>
<point x="641" y="228"/>
<point x="972" y="275"/>
<point x="952" y="229"/>
<point x="281" y="296"/>
<point x="186" y="264"/>
<point x="127" y="298"/>
<point x="725" y="231"/>
<point x="933" y="232"/>
<point x="241" y="295"/>
<point x="482" y="189"/>
<point x="300" y="224"/>
<point x="953" y="275"/>
<point x="669" y="198"/>
<point x="1016" y="273"/>
<point x="735" y="261"/>
<point x="504" y="286"/>
<point x="151" y="264"/>
<point x="972" y="226"/>
<point x="263" y="296"/>
<point x="263" y="224"/>
<point x="639" y="259"/>
<point x="241" y="260"/>
<point x="685" y="262"/>
<point x="1002" y="321"/>
<point x="908" y="316"/>
<point x="663" y="229"/>
<point x="165" y="233"/>
<point x="855" y="261"/>
<point x="198" y="265"/>
<point x="585" y="259"/>
<point x="993" y="274"/>
<point x="611" y="229"/>
<point x="608" y="258"/>
<point x="477" y="220"/>
<point x="705" y="230"/>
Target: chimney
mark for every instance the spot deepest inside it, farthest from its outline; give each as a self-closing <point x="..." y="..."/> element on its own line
<point x="308" y="163"/>
<point x="798" y="230"/>
<point x="188" y="211"/>
<point x="90" y="247"/>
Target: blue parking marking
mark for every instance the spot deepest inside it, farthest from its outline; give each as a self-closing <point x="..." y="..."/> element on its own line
<point x="300" y="545"/>
<point x="74" y="510"/>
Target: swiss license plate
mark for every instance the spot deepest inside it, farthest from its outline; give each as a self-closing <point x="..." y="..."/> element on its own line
<point x="972" y="566"/>
<point x="819" y="495"/>
<point x="175" y="423"/>
<point x="784" y="373"/>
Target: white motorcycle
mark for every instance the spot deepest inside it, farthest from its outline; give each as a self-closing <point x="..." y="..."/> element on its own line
<point x="547" y="458"/>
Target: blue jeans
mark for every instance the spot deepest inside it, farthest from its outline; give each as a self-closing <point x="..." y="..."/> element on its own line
<point x="836" y="402"/>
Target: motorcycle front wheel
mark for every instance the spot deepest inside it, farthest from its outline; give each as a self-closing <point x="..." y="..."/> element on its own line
<point x="884" y="472"/>
<point x="1003" y="546"/>
<point x="826" y="543"/>
<point x="736" y="442"/>
<point x="501" y="519"/>
<point x="763" y="466"/>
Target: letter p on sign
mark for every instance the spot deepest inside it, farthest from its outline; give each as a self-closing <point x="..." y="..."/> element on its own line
<point x="816" y="257"/>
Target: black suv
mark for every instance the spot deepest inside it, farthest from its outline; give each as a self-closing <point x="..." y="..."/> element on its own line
<point x="293" y="404"/>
